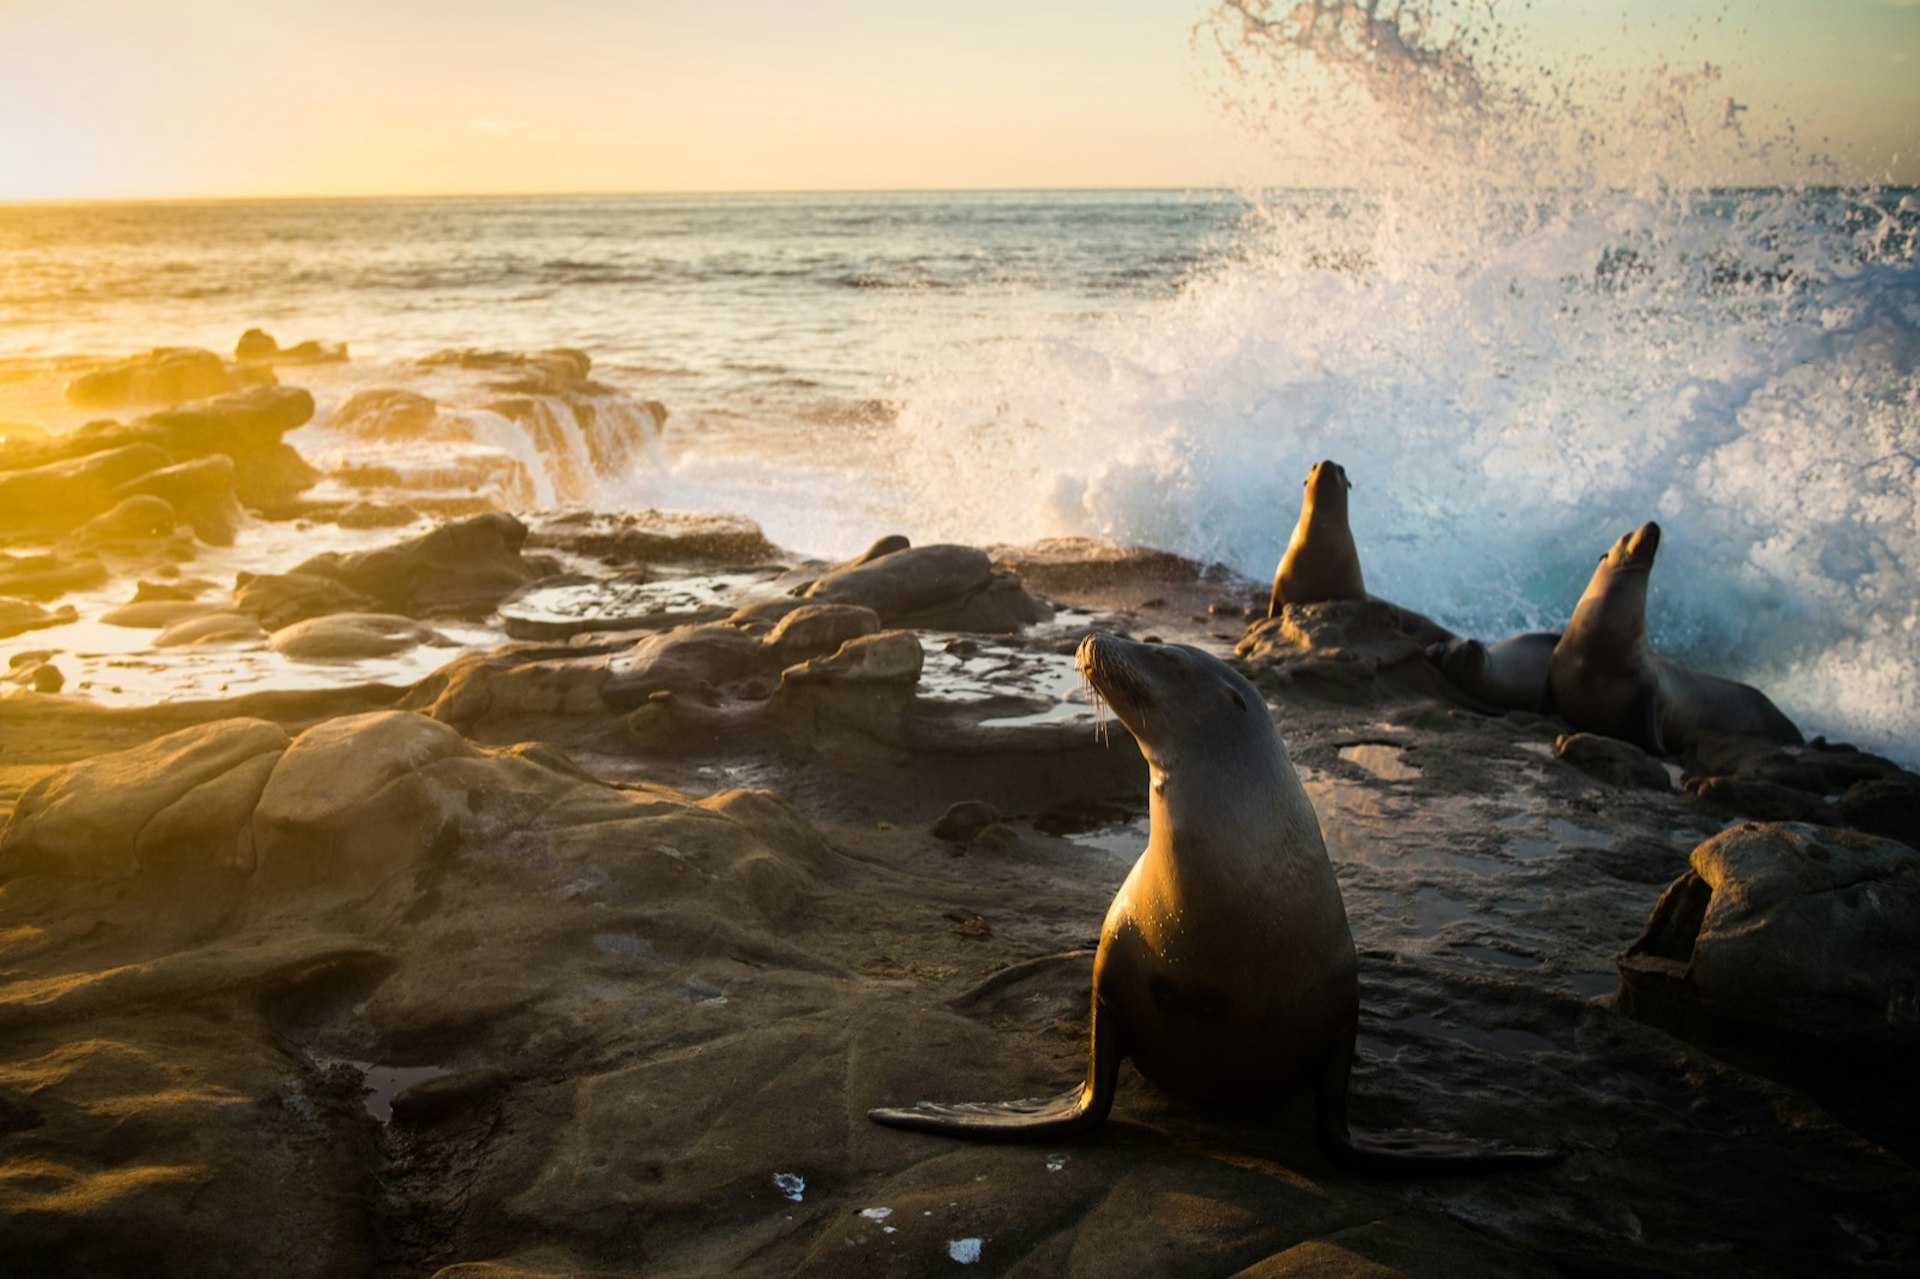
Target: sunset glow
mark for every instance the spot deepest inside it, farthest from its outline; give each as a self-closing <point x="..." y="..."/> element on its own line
<point x="116" y="99"/>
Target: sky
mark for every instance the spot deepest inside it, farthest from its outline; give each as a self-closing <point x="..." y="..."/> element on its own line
<point x="110" y="99"/>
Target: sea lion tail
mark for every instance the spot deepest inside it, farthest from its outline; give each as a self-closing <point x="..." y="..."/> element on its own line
<point x="1027" y="1120"/>
<point x="1072" y="1112"/>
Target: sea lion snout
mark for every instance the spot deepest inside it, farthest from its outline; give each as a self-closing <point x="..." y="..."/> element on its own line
<point x="1635" y="550"/>
<point x="1110" y="665"/>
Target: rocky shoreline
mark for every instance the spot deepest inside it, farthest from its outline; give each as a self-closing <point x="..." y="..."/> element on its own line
<point x="586" y="948"/>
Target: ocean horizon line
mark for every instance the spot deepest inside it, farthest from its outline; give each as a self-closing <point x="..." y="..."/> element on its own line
<point x="54" y="202"/>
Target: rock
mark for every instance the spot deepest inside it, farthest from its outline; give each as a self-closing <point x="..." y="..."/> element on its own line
<point x="560" y="371"/>
<point x="883" y="547"/>
<point x="1885" y="806"/>
<point x="761" y="616"/>
<point x="201" y="492"/>
<point x="351" y="636"/>
<point x="962" y="821"/>
<point x="892" y="657"/>
<point x="814" y="629"/>
<point x="510" y="682"/>
<point x="908" y="581"/>
<point x="461" y="569"/>
<point x="356" y="800"/>
<point x="432" y="1100"/>
<point x="145" y="592"/>
<point x="258" y="347"/>
<point x="1346" y="650"/>
<point x="245" y="428"/>
<point x="97" y="819"/>
<point x="388" y="414"/>
<point x="1613" y="761"/>
<point x="34" y="672"/>
<point x="18" y="616"/>
<point x="155" y="614"/>
<point x="365" y="514"/>
<point x="281" y="599"/>
<point x="1754" y="799"/>
<point x="687" y="660"/>
<point x="64" y="494"/>
<point x="852" y="703"/>
<point x="1787" y="929"/>
<point x="1080" y="565"/>
<point x="659" y="537"/>
<point x="44" y="576"/>
<point x="165" y="375"/>
<point x="134" y="520"/>
<point x="211" y="628"/>
<point x="255" y="344"/>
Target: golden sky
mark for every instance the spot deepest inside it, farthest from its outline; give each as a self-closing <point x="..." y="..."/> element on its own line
<point x="192" y="98"/>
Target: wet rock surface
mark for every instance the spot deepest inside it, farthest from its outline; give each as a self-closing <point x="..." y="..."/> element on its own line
<point x="588" y="954"/>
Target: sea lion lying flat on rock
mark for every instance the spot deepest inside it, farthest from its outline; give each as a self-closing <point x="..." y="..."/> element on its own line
<point x="1604" y="678"/>
<point x="1510" y="675"/>
<point x="1225" y="970"/>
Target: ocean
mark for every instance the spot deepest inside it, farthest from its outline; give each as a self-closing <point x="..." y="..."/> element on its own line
<point x="1511" y="381"/>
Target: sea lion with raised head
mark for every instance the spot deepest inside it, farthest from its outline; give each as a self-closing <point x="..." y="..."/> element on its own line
<point x="1225" y="969"/>
<point x="1605" y="678"/>
<point x="1321" y="562"/>
<point x="1510" y="675"/>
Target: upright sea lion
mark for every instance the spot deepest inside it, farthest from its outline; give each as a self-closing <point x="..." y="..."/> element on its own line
<point x="1225" y="968"/>
<point x="1604" y="678"/>
<point x="1510" y="675"/>
<point x="1321" y="562"/>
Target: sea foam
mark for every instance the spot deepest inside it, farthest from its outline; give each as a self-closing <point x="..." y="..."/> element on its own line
<point x="1518" y="350"/>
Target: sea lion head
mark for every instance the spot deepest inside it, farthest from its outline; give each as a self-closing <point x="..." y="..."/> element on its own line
<point x="1633" y="552"/>
<point x="1459" y="660"/>
<point x="1613" y="610"/>
<point x="1169" y="695"/>
<point x="1327" y="486"/>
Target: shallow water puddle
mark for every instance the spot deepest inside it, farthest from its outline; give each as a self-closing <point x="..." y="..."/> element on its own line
<point x="1125" y="839"/>
<point x="625" y="601"/>
<point x="1560" y="835"/>
<point x="1382" y="759"/>
<point x="966" y="668"/>
<point x="379" y="1084"/>
<point x="119" y="666"/>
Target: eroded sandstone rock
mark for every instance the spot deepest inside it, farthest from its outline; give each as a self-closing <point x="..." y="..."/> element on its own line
<point x="92" y="819"/>
<point x="463" y="568"/>
<point x="1786" y="928"/>
<point x="942" y="586"/>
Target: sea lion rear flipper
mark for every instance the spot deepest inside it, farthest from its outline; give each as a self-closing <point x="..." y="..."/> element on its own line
<point x="1074" y="1111"/>
<point x="1406" y="1153"/>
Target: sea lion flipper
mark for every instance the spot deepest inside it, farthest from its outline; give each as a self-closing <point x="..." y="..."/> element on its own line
<point x="1405" y="1153"/>
<point x="1075" y="1111"/>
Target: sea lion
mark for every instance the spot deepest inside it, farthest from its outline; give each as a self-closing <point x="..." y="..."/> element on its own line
<point x="1225" y="969"/>
<point x="1321" y="561"/>
<point x="1604" y="678"/>
<point x="1510" y="675"/>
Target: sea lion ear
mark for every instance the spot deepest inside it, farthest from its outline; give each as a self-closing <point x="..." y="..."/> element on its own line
<point x="1238" y="700"/>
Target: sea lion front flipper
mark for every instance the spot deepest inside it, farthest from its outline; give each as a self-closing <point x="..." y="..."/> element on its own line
<point x="1072" y="1112"/>
<point x="1406" y="1153"/>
